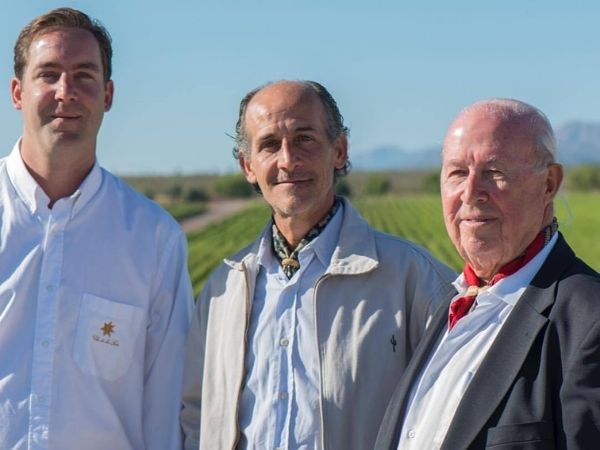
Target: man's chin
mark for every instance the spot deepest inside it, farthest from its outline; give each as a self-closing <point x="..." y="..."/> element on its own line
<point x="66" y="136"/>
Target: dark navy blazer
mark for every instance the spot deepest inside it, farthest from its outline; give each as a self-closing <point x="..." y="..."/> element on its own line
<point x="539" y="385"/>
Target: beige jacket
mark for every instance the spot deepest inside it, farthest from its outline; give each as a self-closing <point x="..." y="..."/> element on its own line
<point x="371" y="308"/>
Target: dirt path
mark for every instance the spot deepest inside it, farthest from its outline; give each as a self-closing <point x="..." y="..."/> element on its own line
<point x="216" y="210"/>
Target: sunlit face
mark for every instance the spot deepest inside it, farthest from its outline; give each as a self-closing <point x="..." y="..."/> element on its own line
<point x="63" y="94"/>
<point x="495" y="198"/>
<point x="290" y="155"/>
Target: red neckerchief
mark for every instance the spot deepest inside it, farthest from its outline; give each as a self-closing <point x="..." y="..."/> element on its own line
<point x="461" y="306"/>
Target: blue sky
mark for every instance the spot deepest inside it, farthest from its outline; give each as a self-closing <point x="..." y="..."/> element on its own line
<point x="399" y="70"/>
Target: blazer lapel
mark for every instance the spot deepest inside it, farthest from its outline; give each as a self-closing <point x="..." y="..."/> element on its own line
<point x="389" y="432"/>
<point x="508" y="352"/>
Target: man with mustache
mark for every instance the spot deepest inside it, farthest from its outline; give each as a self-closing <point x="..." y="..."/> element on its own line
<point x="299" y="338"/>
<point x="512" y="358"/>
<point x="95" y="298"/>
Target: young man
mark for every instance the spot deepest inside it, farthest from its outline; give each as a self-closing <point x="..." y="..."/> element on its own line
<point x="94" y="293"/>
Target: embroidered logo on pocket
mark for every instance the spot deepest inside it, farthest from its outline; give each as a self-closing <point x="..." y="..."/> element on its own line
<point x="107" y="330"/>
<point x="109" y="337"/>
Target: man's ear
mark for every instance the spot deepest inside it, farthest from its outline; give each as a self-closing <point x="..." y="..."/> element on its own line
<point x="341" y="151"/>
<point x="554" y="179"/>
<point x="246" y="166"/>
<point x="15" y="92"/>
<point x="109" y="91"/>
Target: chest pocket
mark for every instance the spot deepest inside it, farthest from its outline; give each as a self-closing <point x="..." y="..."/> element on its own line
<point x="108" y="336"/>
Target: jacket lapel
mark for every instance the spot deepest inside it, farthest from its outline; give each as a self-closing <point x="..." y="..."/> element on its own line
<point x="389" y="432"/>
<point x="508" y="352"/>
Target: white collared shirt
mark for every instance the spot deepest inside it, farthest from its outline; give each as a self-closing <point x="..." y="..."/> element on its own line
<point x="95" y="302"/>
<point x="436" y="395"/>
<point x="280" y="402"/>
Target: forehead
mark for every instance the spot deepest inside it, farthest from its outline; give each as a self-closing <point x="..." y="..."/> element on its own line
<point x="284" y="107"/>
<point x="487" y="137"/>
<point x="64" y="46"/>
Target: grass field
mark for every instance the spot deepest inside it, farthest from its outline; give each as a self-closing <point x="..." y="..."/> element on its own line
<point x="414" y="217"/>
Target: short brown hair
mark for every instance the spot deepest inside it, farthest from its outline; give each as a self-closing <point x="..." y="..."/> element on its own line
<point x="62" y="18"/>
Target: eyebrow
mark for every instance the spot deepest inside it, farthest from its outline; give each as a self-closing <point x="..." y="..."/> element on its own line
<point x="305" y="128"/>
<point x="84" y="65"/>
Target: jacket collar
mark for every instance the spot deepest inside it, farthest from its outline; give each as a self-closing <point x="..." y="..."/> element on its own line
<point x="355" y="251"/>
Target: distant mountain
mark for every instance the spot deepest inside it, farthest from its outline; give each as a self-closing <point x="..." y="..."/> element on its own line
<point x="578" y="143"/>
<point x="396" y="158"/>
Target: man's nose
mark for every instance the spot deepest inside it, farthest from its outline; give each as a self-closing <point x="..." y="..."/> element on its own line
<point x="475" y="190"/>
<point x="288" y="158"/>
<point x="65" y="89"/>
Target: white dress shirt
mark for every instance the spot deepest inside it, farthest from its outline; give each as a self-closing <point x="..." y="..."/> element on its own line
<point x="280" y="400"/>
<point x="95" y="302"/>
<point x="439" y="390"/>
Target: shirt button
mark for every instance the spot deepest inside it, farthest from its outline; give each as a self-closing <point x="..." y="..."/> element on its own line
<point x="50" y="288"/>
<point x="283" y="396"/>
<point x="45" y="343"/>
<point x="411" y="434"/>
<point x="284" y="342"/>
<point x="41" y="399"/>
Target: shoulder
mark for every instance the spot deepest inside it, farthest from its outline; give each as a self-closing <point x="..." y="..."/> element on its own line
<point x="578" y="291"/>
<point x="137" y="207"/>
<point x="396" y="250"/>
<point x="237" y="265"/>
<point x="575" y="311"/>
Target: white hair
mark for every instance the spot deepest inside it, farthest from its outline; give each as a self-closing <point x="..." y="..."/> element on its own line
<point x="510" y="109"/>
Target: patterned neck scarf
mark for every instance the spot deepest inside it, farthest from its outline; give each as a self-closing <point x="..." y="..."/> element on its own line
<point x="461" y="306"/>
<point x="288" y="258"/>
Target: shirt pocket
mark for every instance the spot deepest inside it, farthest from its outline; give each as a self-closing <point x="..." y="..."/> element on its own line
<point x="107" y="336"/>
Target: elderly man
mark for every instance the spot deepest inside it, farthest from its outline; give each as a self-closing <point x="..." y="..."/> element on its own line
<point x="513" y="359"/>
<point x="95" y="299"/>
<point x="298" y="340"/>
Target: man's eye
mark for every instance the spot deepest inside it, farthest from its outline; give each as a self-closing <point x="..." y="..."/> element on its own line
<point x="457" y="173"/>
<point x="305" y="138"/>
<point x="48" y="75"/>
<point x="84" y="76"/>
<point x="271" y="145"/>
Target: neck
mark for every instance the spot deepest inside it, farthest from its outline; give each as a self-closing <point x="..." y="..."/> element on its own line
<point x="517" y="261"/>
<point x="295" y="228"/>
<point x="58" y="172"/>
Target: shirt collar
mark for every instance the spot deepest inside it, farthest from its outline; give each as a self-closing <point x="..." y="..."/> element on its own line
<point x="34" y="196"/>
<point x="510" y="289"/>
<point x="323" y="245"/>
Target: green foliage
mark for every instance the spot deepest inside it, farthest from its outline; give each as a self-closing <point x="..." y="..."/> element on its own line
<point x="430" y="183"/>
<point x="150" y="193"/>
<point x="579" y="221"/>
<point x="584" y="178"/>
<point x="233" y="186"/>
<point x="209" y="246"/>
<point x="417" y="218"/>
<point x="174" y="192"/>
<point x="183" y="210"/>
<point x="377" y="184"/>
<point x="342" y="187"/>
<point x="196" y="195"/>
